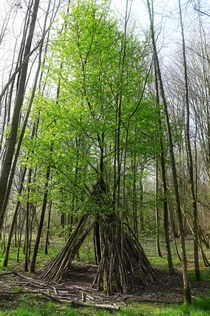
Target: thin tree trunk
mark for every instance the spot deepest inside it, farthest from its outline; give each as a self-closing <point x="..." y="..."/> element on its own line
<point x="48" y="229"/>
<point x="97" y="240"/>
<point x="13" y="168"/>
<point x="36" y="246"/>
<point x="163" y="173"/>
<point x="141" y="211"/>
<point x="189" y="150"/>
<point x="14" y="221"/>
<point x="12" y="78"/>
<point x="187" y="291"/>
<point x="134" y="202"/>
<point x="21" y="224"/>
<point x="28" y="207"/>
<point x="15" y="119"/>
<point x="174" y="233"/>
<point x="157" y="213"/>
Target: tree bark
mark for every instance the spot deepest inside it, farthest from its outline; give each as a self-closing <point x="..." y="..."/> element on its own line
<point x="6" y="165"/>
<point x="14" y="221"/>
<point x="36" y="246"/>
<point x="187" y="291"/>
<point x="189" y="150"/>
<point x="28" y="205"/>
<point x="157" y="207"/>
<point x="163" y="173"/>
<point x="48" y="229"/>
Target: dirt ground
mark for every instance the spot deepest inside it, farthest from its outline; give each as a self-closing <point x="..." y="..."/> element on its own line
<point x="168" y="290"/>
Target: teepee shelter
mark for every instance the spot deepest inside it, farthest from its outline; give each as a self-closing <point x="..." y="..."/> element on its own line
<point x="123" y="263"/>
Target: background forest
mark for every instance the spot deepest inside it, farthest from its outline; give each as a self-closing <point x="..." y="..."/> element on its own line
<point x="105" y="140"/>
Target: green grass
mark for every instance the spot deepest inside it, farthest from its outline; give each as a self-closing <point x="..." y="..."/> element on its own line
<point x="12" y="258"/>
<point x="162" y="262"/>
<point x="205" y="274"/>
<point x="200" y="307"/>
<point x="42" y="259"/>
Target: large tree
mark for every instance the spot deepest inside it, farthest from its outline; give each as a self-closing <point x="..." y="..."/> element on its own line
<point x="100" y="118"/>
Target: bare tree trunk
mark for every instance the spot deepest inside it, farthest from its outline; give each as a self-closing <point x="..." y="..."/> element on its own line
<point x="13" y="78"/>
<point x="15" y="119"/>
<point x="134" y="202"/>
<point x="36" y="246"/>
<point x="157" y="212"/>
<point x="187" y="291"/>
<point x="163" y="173"/>
<point x="141" y="215"/>
<point x="7" y="107"/>
<point x="174" y="232"/>
<point x="48" y="229"/>
<point x="97" y="240"/>
<point x="21" y="224"/>
<point x="4" y="25"/>
<point x="189" y="150"/>
<point x="28" y="207"/>
<point x="12" y="172"/>
<point x="14" y="221"/>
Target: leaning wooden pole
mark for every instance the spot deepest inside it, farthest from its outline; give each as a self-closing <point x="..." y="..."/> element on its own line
<point x="117" y="271"/>
<point x="57" y="267"/>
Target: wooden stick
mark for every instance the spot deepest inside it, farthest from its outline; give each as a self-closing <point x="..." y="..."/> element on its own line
<point x="58" y="300"/>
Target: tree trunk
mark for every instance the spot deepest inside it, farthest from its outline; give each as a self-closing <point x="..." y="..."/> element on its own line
<point x="36" y="246"/>
<point x="134" y="201"/>
<point x="14" y="221"/>
<point x="97" y="240"/>
<point x="157" y="212"/>
<point x="189" y="150"/>
<point x="163" y="173"/>
<point x="5" y="170"/>
<point x="48" y="229"/>
<point x="187" y="291"/>
<point x="141" y="212"/>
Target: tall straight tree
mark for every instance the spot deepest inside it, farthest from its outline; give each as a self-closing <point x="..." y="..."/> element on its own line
<point x="163" y="173"/>
<point x="189" y="150"/>
<point x="11" y="141"/>
<point x="102" y="82"/>
<point x="187" y="291"/>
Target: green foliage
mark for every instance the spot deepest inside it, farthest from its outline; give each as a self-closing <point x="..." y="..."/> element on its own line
<point x="92" y="69"/>
<point x="86" y="252"/>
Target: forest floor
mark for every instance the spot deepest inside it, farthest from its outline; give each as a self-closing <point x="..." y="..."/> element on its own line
<point x="21" y="290"/>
